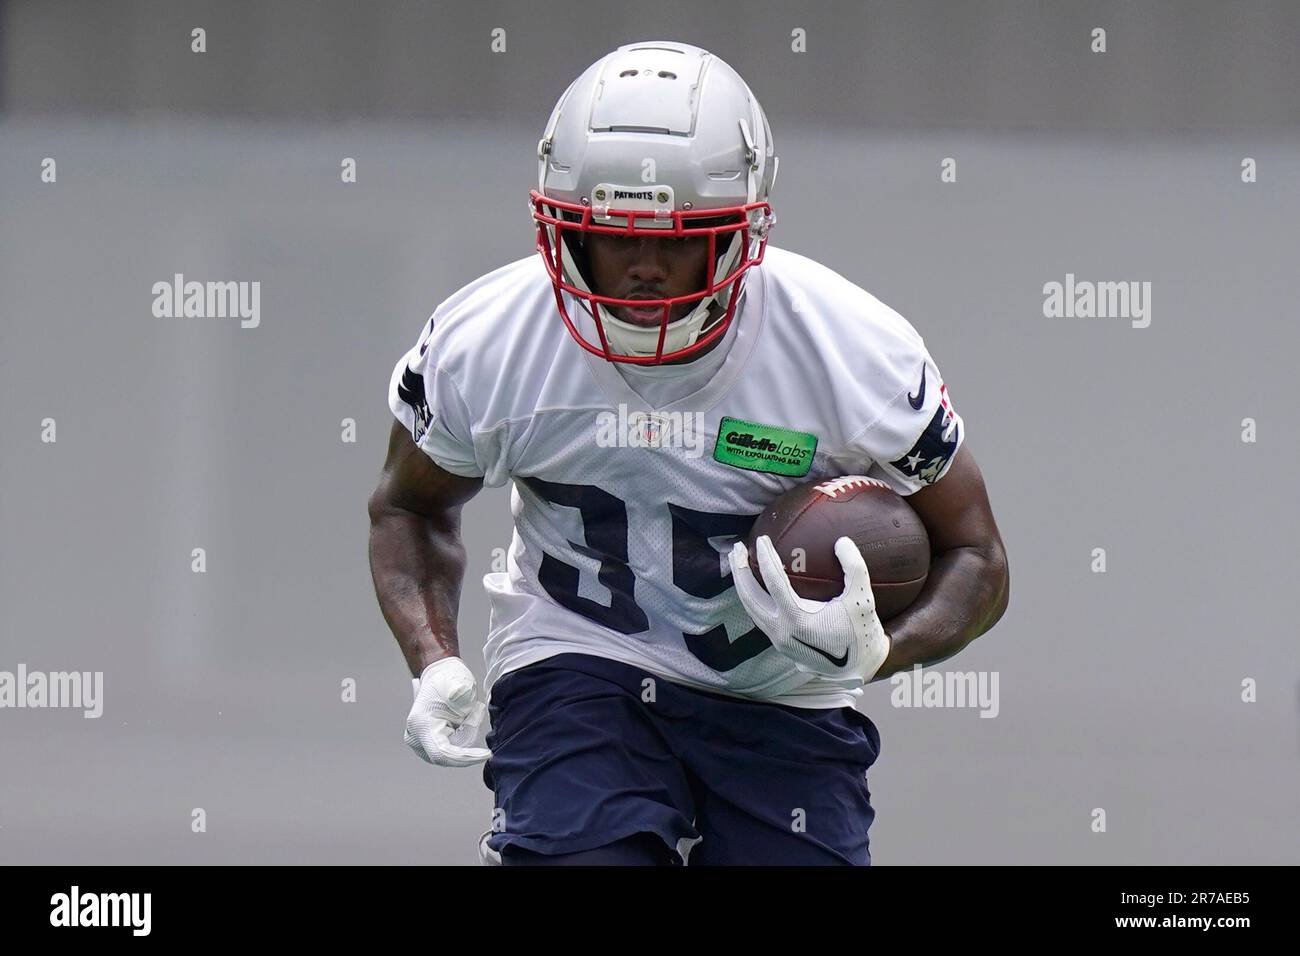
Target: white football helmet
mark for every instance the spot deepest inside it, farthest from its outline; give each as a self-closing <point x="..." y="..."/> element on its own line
<point x="655" y="139"/>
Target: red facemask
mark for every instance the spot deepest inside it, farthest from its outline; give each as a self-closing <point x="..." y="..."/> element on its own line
<point x="560" y="223"/>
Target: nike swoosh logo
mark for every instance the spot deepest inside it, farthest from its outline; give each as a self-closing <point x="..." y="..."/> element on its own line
<point x="837" y="661"/>
<point x="919" y="399"/>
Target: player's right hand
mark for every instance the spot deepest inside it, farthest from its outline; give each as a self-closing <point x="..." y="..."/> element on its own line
<point x="446" y="715"/>
<point x="842" y="638"/>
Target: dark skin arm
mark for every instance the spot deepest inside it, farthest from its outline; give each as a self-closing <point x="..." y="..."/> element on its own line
<point x="969" y="584"/>
<point x="417" y="559"/>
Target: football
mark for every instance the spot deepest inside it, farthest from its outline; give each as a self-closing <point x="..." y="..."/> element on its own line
<point x="805" y="522"/>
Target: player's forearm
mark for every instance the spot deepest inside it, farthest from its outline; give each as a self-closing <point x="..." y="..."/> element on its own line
<point x="965" y="595"/>
<point x="417" y="565"/>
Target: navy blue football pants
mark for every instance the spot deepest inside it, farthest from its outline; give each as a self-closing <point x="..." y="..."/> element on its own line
<point x="595" y="761"/>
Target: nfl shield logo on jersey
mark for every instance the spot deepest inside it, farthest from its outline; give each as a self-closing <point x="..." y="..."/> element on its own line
<point x="651" y="431"/>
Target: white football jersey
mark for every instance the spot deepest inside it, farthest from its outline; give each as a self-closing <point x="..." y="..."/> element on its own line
<point x="624" y="508"/>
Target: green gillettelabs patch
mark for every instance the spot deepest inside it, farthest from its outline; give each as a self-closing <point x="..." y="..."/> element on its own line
<point x="781" y="451"/>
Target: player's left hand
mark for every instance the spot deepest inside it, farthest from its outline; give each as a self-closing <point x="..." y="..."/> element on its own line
<point x="841" y="638"/>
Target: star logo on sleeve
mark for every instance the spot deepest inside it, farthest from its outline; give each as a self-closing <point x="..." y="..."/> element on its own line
<point x="927" y="459"/>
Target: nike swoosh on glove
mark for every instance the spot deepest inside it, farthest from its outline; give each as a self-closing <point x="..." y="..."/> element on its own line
<point x="841" y="638"/>
<point x="446" y="715"/>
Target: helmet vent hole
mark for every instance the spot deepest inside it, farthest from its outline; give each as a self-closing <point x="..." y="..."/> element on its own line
<point x="665" y="75"/>
<point x="628" y="73"/>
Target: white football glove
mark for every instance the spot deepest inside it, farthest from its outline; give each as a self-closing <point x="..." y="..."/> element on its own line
<point x="446" y="715"/>
<point x="841" y="638"/>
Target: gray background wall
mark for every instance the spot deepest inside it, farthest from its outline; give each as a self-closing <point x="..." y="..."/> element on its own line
<point x="1119" y="690"/>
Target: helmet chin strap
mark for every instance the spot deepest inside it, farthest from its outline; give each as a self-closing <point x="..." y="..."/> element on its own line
<point x="628" y="339"/>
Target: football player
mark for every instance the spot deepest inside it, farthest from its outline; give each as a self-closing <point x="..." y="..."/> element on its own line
<point x="648" y="382"/>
